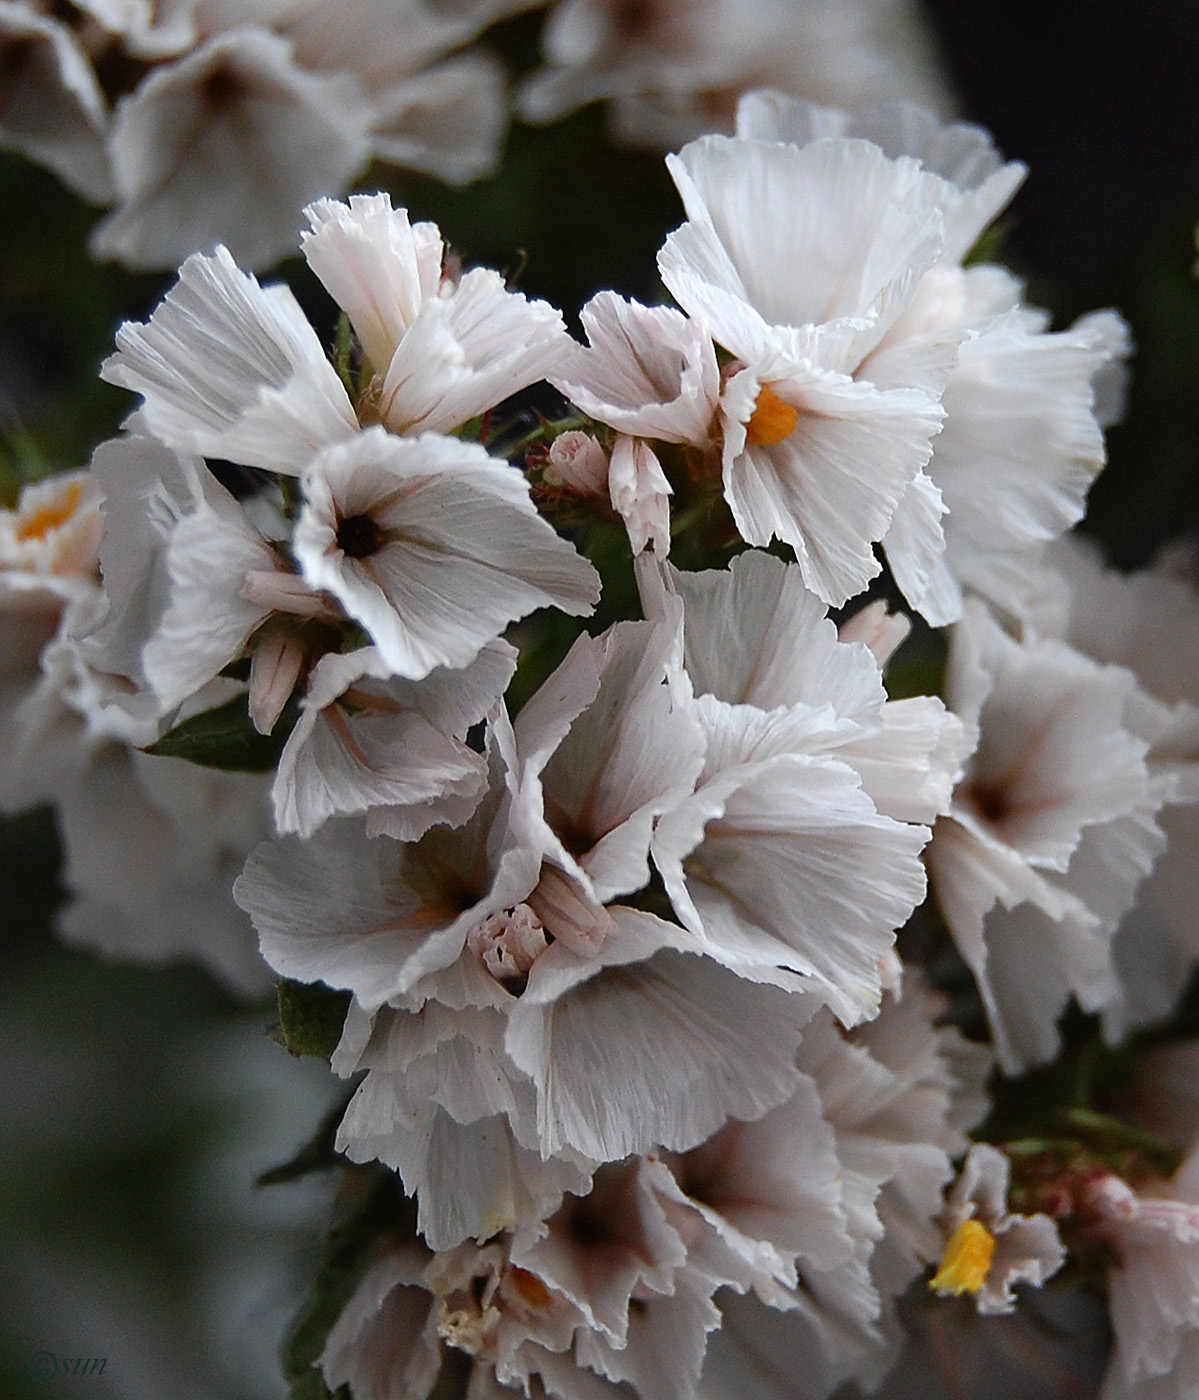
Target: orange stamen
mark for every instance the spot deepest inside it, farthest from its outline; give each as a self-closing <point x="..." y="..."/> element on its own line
<point x="50" y="516"/>
<point x="772" y="420"/>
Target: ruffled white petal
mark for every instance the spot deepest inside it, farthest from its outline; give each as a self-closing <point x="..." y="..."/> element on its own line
<point x="231" y="369"/>
<point x="456" y="550"/>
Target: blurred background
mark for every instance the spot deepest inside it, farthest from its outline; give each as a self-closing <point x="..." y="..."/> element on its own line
<point x="137" y="1106"/>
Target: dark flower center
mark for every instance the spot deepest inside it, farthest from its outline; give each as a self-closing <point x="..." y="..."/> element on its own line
<point x="358" y="536"/>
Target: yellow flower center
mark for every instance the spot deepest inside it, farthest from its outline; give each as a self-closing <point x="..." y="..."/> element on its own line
<point x="55" y="513"/>
<point x="967" y="1258"/>
<point x="772" y="420"/>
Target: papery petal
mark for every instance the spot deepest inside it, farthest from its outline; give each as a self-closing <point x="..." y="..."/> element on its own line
<point x="472" y="347"/>
<point x="649" y="371"/>
<point x="830" y="489"/>
<point x="377" y="266"/>
<point x="231" y="369"/>
<point x="461" y="552"/>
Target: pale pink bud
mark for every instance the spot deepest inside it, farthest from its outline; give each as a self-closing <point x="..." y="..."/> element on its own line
<point x="578" y="463"/>
<point x="274" y="670"/>
<point x="882" y="631"/>
<point x="641" y="494"/>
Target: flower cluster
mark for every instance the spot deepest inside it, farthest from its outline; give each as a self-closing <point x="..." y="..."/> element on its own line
<point x="609" y="917"/>
<point x="672" y="70"/>
<point x="205" y="121"/>
<point x="213" y="121"/>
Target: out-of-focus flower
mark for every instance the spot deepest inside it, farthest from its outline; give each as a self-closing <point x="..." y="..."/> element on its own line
<point x="1154" y="1289"/>
<point x="230" y="117"/>
<point x="1149" y="623"/>
<point x="988" y="1249"/>
<point x="1051" y="829"/>
<point x="673" y="69"/>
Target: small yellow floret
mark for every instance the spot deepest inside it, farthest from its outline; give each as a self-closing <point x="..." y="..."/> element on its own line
<point x="38" y="525"/>
<point x="967" y="1258"/>
<point x="772" y="420"/>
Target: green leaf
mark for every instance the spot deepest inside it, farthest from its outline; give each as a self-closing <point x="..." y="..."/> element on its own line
<point x="225" y="738"/>
<point x="311" y="1016"/>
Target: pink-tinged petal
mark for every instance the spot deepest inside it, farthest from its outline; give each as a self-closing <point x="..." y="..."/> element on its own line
<point x="600" y="1052"/>
<point x="631" y="755"/>
<point x="640" y="494"/>
<point x="368" y="914"/>
<point x="148" y="489"/>
<point x="471" y="347"/>
<point x="358" y="747"/>
<point x="764" y="887"/>
<point x="649" y="371"/>
<point x="386" y="1338"/>
<point x="275" y="666"/>
<point x="754" y="635"/>
<point x="207" y="620"/>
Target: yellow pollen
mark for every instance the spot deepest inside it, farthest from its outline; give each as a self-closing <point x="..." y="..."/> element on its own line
<point x="967" y="1258"/>
<point x="772" y="420"/>
<point x="51" y="516"/>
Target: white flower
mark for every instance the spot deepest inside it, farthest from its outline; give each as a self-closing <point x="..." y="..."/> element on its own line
<point x="225" y="146"/>
<point x="1024" y="409"/>
<point x="988" y="1248"/>
<point x="506" y="958"/>
<point x="367" y="741"/>
<point x="231" y="369"/>
<point x="54" y="109"/>
<point x="800" y="737"/>
<point x="1154" y="1292"/>
<point x="433" y="546"/>
<point x="1050" y="831"/>
<point x="799" y="261"/>
<point x="443" y="351"/>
